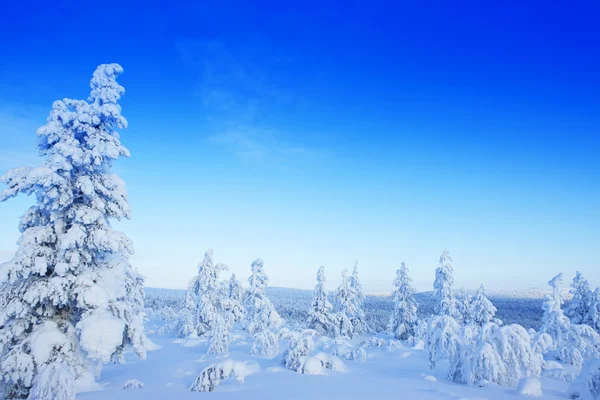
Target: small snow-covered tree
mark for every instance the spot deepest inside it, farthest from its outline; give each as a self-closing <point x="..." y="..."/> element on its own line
<point x="483" y="309"/>
<point x="358" y="319"/>
<point x="189" y="314"/>
<point x="554" y="322"/>
<point x="579" y="310"/>
<point x="404" y="315"/>
<point x="587" y="384"/>
<point x="571" y="343"/>
<point x="595" y="310"/>
<point x="70" y="288"/>
<point x="443" y="287"/>
<point x="320" y="317"/>
<point x="207" y="293"/>
<point x="464" y="306"/>
<point x="503" y="355"/>
<point x="345" y="307"/>
<point x="262" y="319"/>
<point x="301" y="343"/>
<point x="444" y="341"/>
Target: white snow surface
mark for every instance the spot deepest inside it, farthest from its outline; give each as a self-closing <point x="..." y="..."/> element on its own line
<point x="389" y="370"/>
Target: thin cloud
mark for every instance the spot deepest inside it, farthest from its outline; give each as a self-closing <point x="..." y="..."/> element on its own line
<point x="242" y="96"/>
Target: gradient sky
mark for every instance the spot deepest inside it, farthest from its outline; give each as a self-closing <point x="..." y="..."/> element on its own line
<point x="312" y="134"/>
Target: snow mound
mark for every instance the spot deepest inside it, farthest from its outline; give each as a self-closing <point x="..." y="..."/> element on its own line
<point x="132" y="384"/>
<point x="211" y="376"/>
<point x="101" y="334"/>
<point x="530" y="387"/>
<point x="430" y="378"/>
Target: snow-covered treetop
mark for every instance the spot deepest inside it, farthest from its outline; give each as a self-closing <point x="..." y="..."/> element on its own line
<point x="482" y="308"/>
<point x="208" y="272"/>
<point x="556" y="297"/>
<point x="444" y="286"/>
<point x="258" y="280"/>
<point x="355" y="283"/>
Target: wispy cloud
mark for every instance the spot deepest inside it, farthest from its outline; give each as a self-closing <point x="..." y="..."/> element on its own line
<point x="242" y="91"/>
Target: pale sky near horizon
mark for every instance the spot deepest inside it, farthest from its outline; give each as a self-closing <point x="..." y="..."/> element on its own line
<point x="315" y="134"/>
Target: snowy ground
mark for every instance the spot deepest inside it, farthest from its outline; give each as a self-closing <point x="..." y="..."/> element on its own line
<point x="388" y="373"/>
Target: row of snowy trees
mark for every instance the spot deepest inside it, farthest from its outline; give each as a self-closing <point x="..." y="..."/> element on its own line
<point x="346" y="316"/>
<point x="479" y="348"/>
<point x="70" y="298"/>
<point x="212" y="308"/>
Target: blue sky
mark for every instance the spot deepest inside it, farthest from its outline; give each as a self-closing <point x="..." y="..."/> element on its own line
<point x="312" y="134"/>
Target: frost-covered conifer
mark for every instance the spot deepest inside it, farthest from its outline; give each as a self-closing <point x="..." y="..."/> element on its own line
<point x="579" y="310"/>
<point x="358" y="319"/>
<point x="404" y="315"/>
<point x="595" y="310"/>
<point x="189" y="314"/>
<point x="443" y="287"/>
<point x="301" y="343"/>
<point x="345" y="307"/>
<point x="571" y="343"/>
<point x="70" y="291"/>
<point x="444" y="341"/>
<point x="262" y="319"/>
<point x="502" y="355"/>
<point x="554" y="322"/>
<point x="207" y="293"/>
<point x="320" y="316"/>
<point x="483" y="309"/>
<point x="464" y="306"/>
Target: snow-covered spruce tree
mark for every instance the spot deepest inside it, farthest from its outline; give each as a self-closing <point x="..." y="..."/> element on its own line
<point x="502" y="355"/>
<point x="443" y="287"/>
<point x="483" y="310"/>
<point x="595" y="310"/>
<point x="579" y="310"/>
<point x="404" y="315"/>
<point x="345" y="307"/>
<point x="464" y="306"/>
<point x="207" y="293"/>
<point x="262" y="319"/>
<point x="554" y="322"/>
<point x="571" y="343"/>
<point x="359" y="321"/>
<point x="70" y="291"/>
<point x="189" y="314"/>
<point x="320" y="316"/>
<point x="444" y="339"/>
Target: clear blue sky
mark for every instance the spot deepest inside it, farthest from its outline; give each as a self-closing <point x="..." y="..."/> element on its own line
<point x="312" y="134"/>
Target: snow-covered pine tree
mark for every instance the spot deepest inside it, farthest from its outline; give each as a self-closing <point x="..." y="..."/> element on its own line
<point x="579" y="309"/>
<point x="262" y="318"/>
<point x="404" y="315"/>
<point x="483" y="309"/>
<point x="443" y="287"/>
<point x="70" y="288"/>
<point x="464" y="306"/>
<point x="320" y="316"/>
<point x="345" y="307"/>
<point x="359" y="321"/>
<point x="208" y="293"/>
<point x="229" y="310"/>
<point x="189" y="314"/>
<point x="595" y="310"/>
<point x="554" y="322"/>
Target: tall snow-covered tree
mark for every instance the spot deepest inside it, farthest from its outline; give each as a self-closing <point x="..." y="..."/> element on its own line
<point x="345" y="307"/>
<point x="483" y="309"/>
<point x="262" y="318"/>
<point x="207" y="293"/>
<point x="554" y="322"/>
<point x="70" y="291"/>
<point x="189" y="314"/>
<point x="579" y="310"/>
<point x="443" y="287"/>
<point x="320" y="317"/>
<point x="358" y="320"/>
<point x="404" y="315"/>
